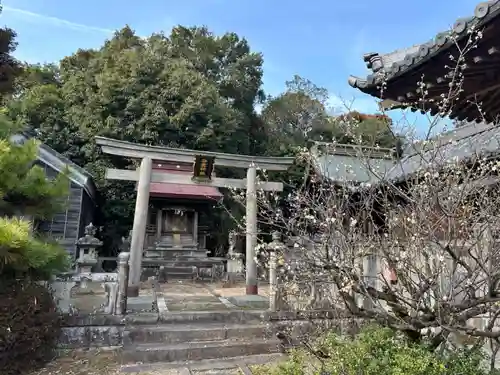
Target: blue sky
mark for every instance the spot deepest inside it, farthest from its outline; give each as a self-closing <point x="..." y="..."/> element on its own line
<point x="322" y="40"/>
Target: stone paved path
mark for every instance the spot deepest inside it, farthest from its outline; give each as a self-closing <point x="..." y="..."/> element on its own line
<point x="237" y="290"/>
<point x="191" y="296"/>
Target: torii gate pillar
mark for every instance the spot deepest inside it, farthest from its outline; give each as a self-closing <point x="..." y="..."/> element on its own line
<point x="251" y="231"/>
<point x="139" y="226"/>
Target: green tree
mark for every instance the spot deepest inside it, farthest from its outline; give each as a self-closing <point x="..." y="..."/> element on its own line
<point x="9" y="65"/>
<point x="190" y="89"/>
<point x="293" y="116"/>
<point x="366" y="129"/>
<point x="25" y="192"/>
<point x="27" y="309"/>
<point x="301" y="114"/>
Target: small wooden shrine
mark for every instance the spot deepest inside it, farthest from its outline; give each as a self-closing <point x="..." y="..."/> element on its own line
<point x="175" y="211"/>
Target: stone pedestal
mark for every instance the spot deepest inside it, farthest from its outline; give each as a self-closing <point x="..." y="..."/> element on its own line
<point x="61" y="291"/>
<point x="235" y="264"/>
<point x="85" y="264"/>
<point x="235" y="268"/>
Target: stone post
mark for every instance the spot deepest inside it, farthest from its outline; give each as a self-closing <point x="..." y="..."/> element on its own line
<point x="235" y="266"/>
<point x="251" y="235"/>
<point x="195" y="228"/>
<point x="61" y="290"/>
<point x="159" y="223"/>
<point x="275" y="246"/>
<point x="123" y="268"/>
<point x="139" y="226"/>
<point x="273" y="281"/>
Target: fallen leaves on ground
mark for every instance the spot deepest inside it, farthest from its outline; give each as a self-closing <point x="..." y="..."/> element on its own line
<point x="79" y="362"/>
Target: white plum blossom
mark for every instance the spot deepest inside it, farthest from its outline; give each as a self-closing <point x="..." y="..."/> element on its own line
<point x="417" y="245"/>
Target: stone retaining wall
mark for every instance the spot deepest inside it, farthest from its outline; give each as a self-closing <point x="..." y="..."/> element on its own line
<point x="85" y="331"/>
<point x="99" y="330"/>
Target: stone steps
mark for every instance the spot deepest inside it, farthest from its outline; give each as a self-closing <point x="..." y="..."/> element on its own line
<point x="212" y="365"/>
<point x="191" y="351"/>
<point x="176" y="274"/>
<point x="181" y="245"/>
<point x="177" y="262"/>
<point x="172" y="268"/>
<point x="167" y="247"/>
<point x="222" y="316"/>
<point x="199" y="335"/>
<point x="185" y="261"/>
<point x="176" y="268"/>
<point x="181" y="333"/>
<point x="175" y="253"/>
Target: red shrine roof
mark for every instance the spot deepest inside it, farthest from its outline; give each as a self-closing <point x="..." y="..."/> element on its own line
<point x="167" y="190"/>
<point x="183" y="191"/>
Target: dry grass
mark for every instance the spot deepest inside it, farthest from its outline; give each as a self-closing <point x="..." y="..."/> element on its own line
<point x="262" y="369"/>
<point x="308" y="365"/>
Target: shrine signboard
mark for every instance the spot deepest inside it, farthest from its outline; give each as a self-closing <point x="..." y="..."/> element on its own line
<point x="203" y="167"/>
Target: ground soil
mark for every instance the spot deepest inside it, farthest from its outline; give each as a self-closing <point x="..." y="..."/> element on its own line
<point x="107" y="362"/>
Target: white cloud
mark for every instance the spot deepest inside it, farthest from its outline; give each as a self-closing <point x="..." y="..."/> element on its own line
<point x="55" y="21"/>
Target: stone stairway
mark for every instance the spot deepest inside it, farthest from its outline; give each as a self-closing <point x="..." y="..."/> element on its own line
<point x="195" y="336"/>
<point x="167" y="248"/>
<point x="177" y="260"/>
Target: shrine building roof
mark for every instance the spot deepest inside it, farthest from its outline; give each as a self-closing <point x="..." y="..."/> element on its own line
<point x="396" y="77"/>
<point x="181" y="191"/>
<point x="353" y="164"/>
<point x="165" y="190"/>
<point x="474" y="140"/>
<point x="60" y="163"/>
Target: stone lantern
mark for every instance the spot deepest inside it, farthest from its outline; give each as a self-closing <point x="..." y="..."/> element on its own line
<point x="87" y="245"/>
<point x="276" y="250"/>
<point x="277" y="247"/>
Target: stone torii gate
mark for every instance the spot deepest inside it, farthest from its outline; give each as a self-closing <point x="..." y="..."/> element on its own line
<point x="144" y="175"/>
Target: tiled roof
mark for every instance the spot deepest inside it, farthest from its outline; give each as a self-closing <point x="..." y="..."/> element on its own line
<point x="346" y="164"/>
<point x="459" y="144"/>
<point x="464" y="143"/>
<point x="390" y="65"/>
